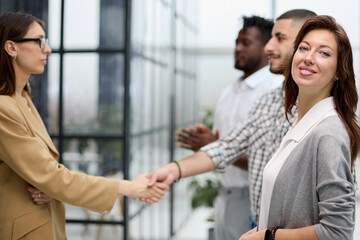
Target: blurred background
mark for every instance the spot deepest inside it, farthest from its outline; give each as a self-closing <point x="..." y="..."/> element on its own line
<point x="125" y="74"/>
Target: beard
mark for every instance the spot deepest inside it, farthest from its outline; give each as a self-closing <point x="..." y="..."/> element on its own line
<point x="250" y="65"/>
<point x="285" y="63"/>
<point x="279" y="70"/>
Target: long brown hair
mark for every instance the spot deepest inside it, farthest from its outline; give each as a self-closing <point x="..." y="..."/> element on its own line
<point x="344" y="89"/>
<point x="13" y="25"/>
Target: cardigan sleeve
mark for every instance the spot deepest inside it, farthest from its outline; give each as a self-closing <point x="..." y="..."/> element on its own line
<point x="30" y="158"/>
<point x="335" y="189"/>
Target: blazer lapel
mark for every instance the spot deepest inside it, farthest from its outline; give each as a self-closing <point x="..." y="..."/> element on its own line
<point x="34" y="119"/>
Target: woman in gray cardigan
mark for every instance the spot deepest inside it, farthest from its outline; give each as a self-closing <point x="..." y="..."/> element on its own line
<point x="308" y="190"/>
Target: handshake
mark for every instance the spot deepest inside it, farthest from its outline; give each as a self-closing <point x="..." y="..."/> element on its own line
<point x="159" y="181"/>
<point x="149" y="188"/>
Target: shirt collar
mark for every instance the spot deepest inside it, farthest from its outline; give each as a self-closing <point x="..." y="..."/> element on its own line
<point x="318" y="112"/>
<point x="257" y="77"/>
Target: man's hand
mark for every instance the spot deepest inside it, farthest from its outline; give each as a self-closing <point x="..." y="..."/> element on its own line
<point x="38" y="196"/>
<point x="160" y="175"/>
<point x="195" y="137"/>
<point x="242" y="162"/>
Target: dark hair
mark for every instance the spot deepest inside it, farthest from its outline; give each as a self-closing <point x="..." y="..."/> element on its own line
<point x="264" y="25"/>
<point x="13" y="25"/>
<point x="297" y="15"/>
<point x="344" y="89"/>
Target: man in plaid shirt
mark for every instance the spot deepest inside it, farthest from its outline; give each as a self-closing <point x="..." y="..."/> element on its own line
<point x="260" y="135"/>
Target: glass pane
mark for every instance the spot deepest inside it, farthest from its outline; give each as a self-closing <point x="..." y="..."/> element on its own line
<point x="136" y="93"/>
<point x="182" y="203"/>
<point x="149" y="152"/>
<point x="93" y="93"/>
<point x="53" y="93"/>
<point x="94" y="157"/>
<point x="91" y="231"/>
<point x="81" y="32"/>
<point x="112" y="35"/>
<point x="95" y="231"/>
<point x="137" y="31"/>
<point x="142" y="95"/>
<point x="152" y="223"/>
<point x="180" y="101"/>
<point x="53" y="24"/>
<point x="180" y="44"/>
<point x="148" y="96"/>
<point x="158" y="99"/>
<point x="141" y="155"/>
<point x="56" y="142"/>
<point x="165" y="93"/>
<point x="162" y="32"/>
<point x="95" y="28"/>
<point x="150" y="99"/>
<point x="39" y="86"/>
<point x="148" y="34"/>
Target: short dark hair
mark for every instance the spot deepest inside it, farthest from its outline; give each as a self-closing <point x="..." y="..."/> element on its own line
<point x="297" y="15"/>
<point x="264" y="25"/>
<point x="13" y="25"/>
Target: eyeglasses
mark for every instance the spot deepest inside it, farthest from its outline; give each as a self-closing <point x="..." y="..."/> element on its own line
<point x="42" y="41"/>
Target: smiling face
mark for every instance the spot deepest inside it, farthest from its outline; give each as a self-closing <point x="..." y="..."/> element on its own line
<point x="279" y="47"/>
<point x="314" y="64"/>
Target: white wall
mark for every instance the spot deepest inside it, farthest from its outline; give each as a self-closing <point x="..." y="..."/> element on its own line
<point x="219" y="23"/>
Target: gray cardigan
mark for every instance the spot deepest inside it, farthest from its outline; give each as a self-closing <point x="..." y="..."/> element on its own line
<point x="315" y="185"/>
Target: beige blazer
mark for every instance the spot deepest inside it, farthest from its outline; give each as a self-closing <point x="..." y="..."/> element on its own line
<point x="28" y="156"/>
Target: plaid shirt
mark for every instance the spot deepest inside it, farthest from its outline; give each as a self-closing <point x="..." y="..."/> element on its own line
<point x="259" y="137"/>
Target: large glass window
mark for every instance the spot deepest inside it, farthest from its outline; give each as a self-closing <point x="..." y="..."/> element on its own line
<point x="161" y="88"/>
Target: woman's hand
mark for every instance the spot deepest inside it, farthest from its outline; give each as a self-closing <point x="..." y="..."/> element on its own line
<point x="38" y="196"/>
<point x="140" y="189"/>
<point x="253" y="235"/>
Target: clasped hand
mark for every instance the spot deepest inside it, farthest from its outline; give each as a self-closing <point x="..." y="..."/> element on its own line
<point x="195" y="137"/>
<point x="152" y="193"/>
<point x="38" y="196"/>
<point x="159" y="176"/>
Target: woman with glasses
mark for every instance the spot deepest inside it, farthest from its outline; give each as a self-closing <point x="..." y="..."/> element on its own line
<point x="42" y="41"/>
<point x="33" y="185"/>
